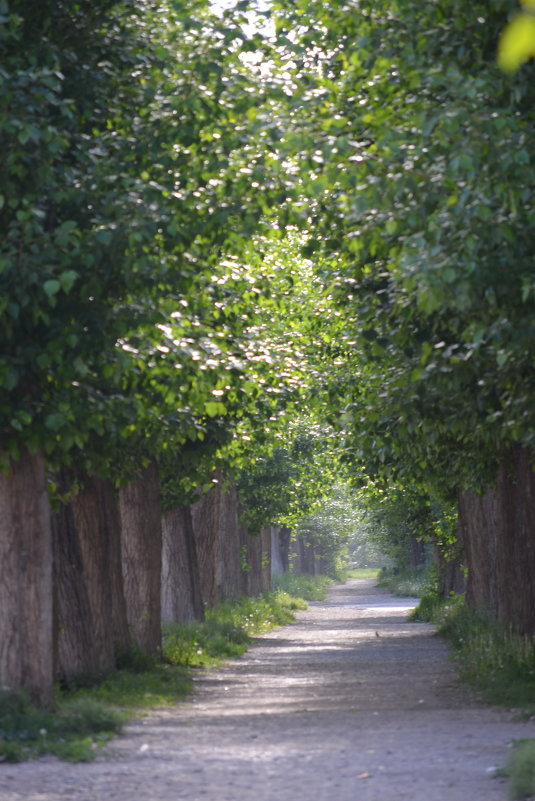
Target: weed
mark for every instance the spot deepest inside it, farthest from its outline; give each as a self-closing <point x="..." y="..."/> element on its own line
<point x="227" y="629"/>
<point x="311" y="588"/>
<point x="72" y="733"/>
<point x="363" y="572"/>
<point x="520" y="769"/>
<point x="411" y="583"/>
<point x="85" y="715"/>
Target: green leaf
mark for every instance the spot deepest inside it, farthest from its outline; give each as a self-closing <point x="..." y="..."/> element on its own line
<point x="51" y="287"/>
<point x="55" y="421"/>
<point x="68" y="279"/>
<point x="215" y="408"/>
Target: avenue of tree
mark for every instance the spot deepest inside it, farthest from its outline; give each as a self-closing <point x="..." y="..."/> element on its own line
<point x="248" y="260"/>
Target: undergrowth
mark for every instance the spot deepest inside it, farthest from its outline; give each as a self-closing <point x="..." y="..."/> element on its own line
<point x="311" y="588"/>
<point x="364" y="572"/>
<point x="520" y="769"/>
<point x="227" y="629"/>
<point x="490" y="656"/>
<point x="87" y="715"/>
<point x="407" y="583"/>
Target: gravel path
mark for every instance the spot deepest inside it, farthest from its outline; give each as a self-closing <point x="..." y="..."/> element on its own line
<point x="350" y="703"/>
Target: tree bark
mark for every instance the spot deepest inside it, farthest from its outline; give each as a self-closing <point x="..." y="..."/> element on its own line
<point x="141" y="541"/>
<point x="229" y="546"/>
<point x="181" y="582"/>
<point x="26" y="619"/>
<point x="205" y="515"/>
<point x="451" y="572"/>
<point x="251" y="561"/>
<point x="277" y="565"/>
<point x="498" y="533"/>
<point x="417" y="553"/>
<point x="478" y="529"/>
<point x="90" y="607"/>
<point x="302" y="557"/>
<point x="265" y="560"/>
<point x="76" y="654"/>
<point x="285" y="536"/>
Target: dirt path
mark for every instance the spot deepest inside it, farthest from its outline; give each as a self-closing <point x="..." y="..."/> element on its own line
<point x="350" y="703"/>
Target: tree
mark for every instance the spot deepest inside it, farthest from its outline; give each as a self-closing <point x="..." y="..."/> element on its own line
<point x="415" y="154"/>
<point x="132" y="166"/>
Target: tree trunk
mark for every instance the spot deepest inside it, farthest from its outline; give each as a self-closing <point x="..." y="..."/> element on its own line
<point x="76" y="651"/>
<point x="26" y="619"/>
<point x="181" y="583"/>
<point x="265" y="560"/>
<point x="277" y="565"/>
<point x="498" y="533"/>
<point x="308" y="557"/>
<point x="295" y="557"/>
<point x="302" y="556"/>
<point x="450" y="572"/>
<point x="417" y="553"/>
<point x="229" y="558"/>
<point x="205" y="516"/>
<point x="285" y="536"/>
<point x="90" y="608"/>
<point x="141" y="527"/>
<point x="478" y="529"/>
<point x="251" y="559"/>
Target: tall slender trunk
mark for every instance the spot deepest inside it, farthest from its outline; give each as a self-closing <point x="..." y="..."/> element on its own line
<point x="181" y="583"/>
<point x="141" y="529"/>
<point x="26" y="617"/>
<point x="498" y="533"/>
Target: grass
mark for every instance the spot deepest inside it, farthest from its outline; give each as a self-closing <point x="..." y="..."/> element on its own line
<point x="85" y="718"/>
<point x="408" y="583"/>
<point x="364" y="572"/>
<point x="500" y="664"/>
<point x="74" y="733"/>
<point x="520" y="769"/>
<point x="310" y="588"/>
<point x="228" y="629"/>
<point x="490" y="656"/>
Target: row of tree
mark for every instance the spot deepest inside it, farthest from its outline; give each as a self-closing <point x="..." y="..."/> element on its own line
<point x="208" y="230"/>
<point x="144" y="356"/>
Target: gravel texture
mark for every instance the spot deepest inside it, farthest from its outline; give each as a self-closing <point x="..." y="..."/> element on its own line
<point x="350" y="703"/>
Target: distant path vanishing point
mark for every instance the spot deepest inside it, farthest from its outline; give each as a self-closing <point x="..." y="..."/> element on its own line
<point x="350" y="703"/>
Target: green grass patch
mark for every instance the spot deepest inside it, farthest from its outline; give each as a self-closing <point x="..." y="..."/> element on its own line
<point x="411" y="583"/>
<point x="310" y="588"/>
<point x="364" y="572"/>
<point x="73" y="733"/>
<point x="493" y="658"/>
<point x="228" y="629"/>
<point x="520" y="769"/>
